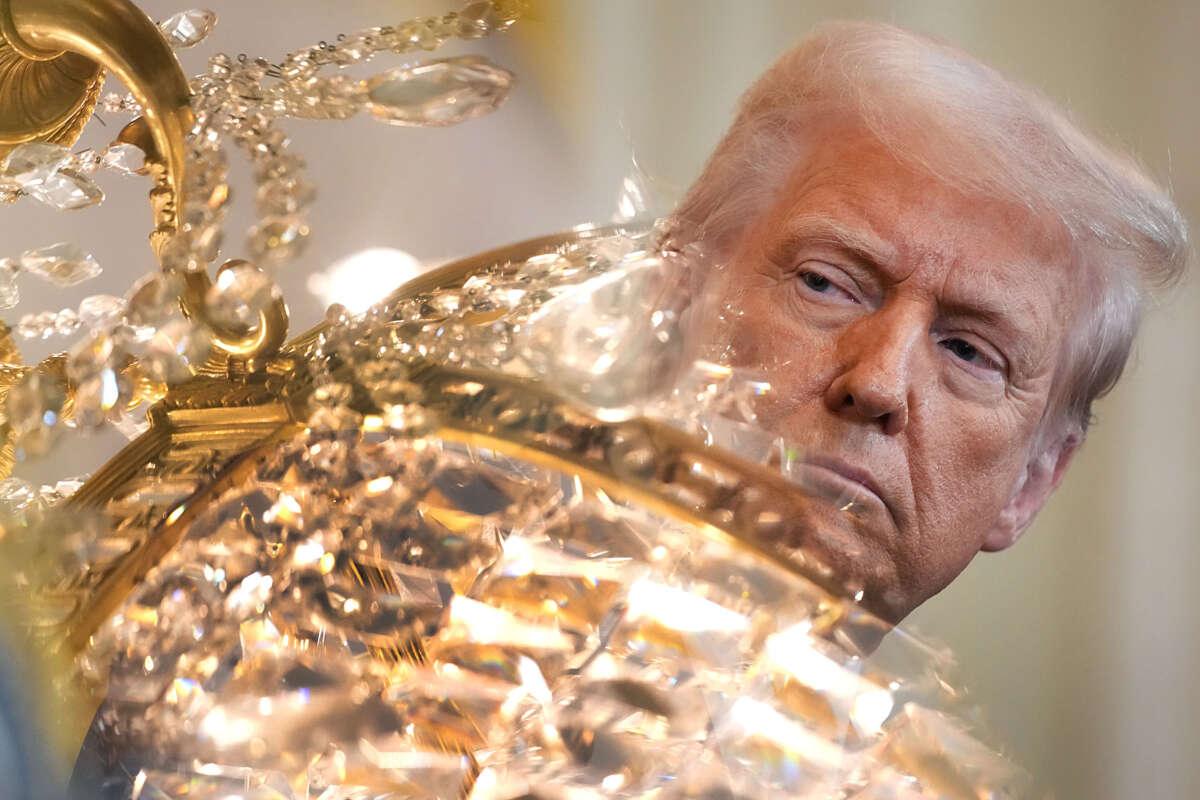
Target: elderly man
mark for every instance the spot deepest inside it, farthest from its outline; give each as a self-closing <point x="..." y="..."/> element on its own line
<point x="938" y="274"/>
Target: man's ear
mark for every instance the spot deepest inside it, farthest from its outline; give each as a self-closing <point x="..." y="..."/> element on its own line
<point x="1042" y="476"/>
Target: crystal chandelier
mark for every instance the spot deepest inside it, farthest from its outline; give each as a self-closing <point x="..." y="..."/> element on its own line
<point x="512" y="532"/>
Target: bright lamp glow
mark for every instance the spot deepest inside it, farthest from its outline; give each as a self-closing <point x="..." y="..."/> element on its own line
<point x="364" y="278"/>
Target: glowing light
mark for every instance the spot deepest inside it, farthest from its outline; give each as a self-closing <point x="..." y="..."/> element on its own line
<point x="481" y="624"/>
<point x="308" y="552"/>
<point x="286" y="510"/>
<point x="867" y="703"/>
<point x="379" y="485"/>
<point x="533" y="681"/>
<point x="359" y="280"/>
<point x="680" y="610"/>
<point x="613" y="782"/>
<point x="871" y="710"/>
<point x="759" y="720"/>
<point x="109" y="391"/>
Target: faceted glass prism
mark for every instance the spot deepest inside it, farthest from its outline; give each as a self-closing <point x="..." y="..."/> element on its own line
<point x="444" y="92"/>
<point x="63" y="264"/>
<point x="188" y="28"/>
<point x="152" y="301"/>
<point x="101" y="311"/>
<point x="67" y="190"/>
<point x="30" y="164"/>
<point x="175" y="350"/>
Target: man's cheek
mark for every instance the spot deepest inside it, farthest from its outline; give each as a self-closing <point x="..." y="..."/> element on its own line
<point x="763" y="334"/>
<point x="749" y="330"/>
<point x="991" y="450"/>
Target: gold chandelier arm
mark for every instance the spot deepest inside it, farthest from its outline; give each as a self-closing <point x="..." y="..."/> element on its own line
<point x="262" y="340"/>
<point x="114" y="34"/>
<point x="746" y="506"/>
<point x="118" y="36"/>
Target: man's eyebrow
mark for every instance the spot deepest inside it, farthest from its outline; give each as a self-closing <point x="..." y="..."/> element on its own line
<point x="1014" y="324"/>
<point x="824" y="229"/>
<point x="993" y="314"/>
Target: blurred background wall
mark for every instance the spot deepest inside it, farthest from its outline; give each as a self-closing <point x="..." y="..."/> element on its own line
<point x="1083" y="642"/>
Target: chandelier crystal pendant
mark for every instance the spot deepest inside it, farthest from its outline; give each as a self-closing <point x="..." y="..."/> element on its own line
<point x="513" y="532"/>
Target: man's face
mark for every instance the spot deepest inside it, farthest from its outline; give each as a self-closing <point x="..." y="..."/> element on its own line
<point x="910" y="335"/>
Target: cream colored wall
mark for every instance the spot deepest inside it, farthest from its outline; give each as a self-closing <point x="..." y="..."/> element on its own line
<point x="1082" y="641"/>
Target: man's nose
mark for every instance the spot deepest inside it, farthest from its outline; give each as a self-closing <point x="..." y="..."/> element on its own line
<point x="876" y="356"/>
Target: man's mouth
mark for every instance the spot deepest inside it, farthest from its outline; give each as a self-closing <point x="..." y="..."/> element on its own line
<point x="842" y="483"/>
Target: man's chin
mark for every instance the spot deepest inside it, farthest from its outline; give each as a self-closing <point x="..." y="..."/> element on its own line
<point x="845" y="542"/>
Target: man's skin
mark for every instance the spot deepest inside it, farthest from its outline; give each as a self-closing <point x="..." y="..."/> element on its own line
<point x="911" y="335"/>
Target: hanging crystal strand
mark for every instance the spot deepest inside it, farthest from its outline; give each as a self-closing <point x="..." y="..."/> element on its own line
<point x="300" y="93"/>
<point x="197" y="242"/>
<point x="229" y="104"/>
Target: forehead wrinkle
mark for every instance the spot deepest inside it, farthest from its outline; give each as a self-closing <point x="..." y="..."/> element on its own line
<point x="860" y="240"/>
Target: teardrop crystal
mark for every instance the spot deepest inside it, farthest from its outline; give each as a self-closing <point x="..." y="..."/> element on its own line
<point x="68" y="190"/>
<point x="436" y="93"/>
<point x="101" y="311"/>
<point x="188" y="28"/>
<point x="30" y="164"/>
<point x="63" y="264"/>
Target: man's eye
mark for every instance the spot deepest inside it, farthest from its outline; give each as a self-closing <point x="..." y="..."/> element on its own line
<point x="982" y="359"/>
<point x="836" y="290"/>
<point x="963" y="349"/>
<point x="816" y="282"/>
